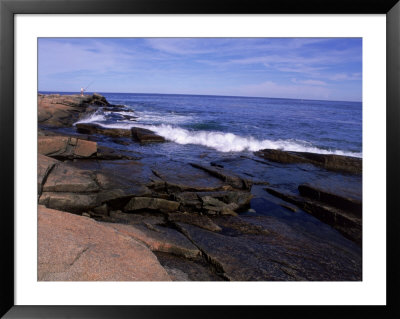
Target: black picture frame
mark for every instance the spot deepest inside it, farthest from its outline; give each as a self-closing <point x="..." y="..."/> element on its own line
<point x="8" y="8"/>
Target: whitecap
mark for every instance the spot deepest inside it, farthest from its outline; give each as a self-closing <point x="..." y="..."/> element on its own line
<point x="229" y="142"/>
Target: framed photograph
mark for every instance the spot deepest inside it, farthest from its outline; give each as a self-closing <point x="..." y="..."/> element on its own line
<point x="189" y="159"/>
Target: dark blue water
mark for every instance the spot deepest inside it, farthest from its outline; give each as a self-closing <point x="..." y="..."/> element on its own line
<point x="235" y="124"/>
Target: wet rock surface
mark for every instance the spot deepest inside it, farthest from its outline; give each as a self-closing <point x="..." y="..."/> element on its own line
<point x="341" y="199"/>
<point x="348" y="222"/>
<point x="263" y="257"/>
<point x="90" y="128"/>
<point x="145" y="136"/>
<point x="330" y="162"/>
<point x="201" y="220"/>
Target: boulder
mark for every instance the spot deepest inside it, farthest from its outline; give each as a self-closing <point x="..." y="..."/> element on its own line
<point x="65" y="178"/>
<point x="148" y="203"/>
<point x="227" y="177"/>
<point x="241" y="199"/>
<point x="91" y="128"/>
<point x="145" y="136"/>
<point x="76" y="248"/>
<point x="71" y="202"/>
<point x="212" y="203"/>
<point x="98" y="99"/>
<point x="190" y="201"/>
<point x="214" y="206"/>
<point x="100" y="211"/>
<point x="331" y="162"/>
<point x="344" y="200"/>
<point x="117" y="190"/>
<point x="64" y="147"/>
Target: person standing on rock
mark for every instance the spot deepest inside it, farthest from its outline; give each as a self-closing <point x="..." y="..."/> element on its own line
<point x="82" y="91"/>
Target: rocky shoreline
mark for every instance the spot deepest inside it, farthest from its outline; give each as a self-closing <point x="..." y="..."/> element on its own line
<point x="109" y="213"/>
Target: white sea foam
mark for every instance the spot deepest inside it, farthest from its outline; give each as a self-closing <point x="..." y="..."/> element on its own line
<point x="130" y="113"/>
<point x="227" y="142"/>
<point x="97" y="116"/>
<point x="155" y="117"/>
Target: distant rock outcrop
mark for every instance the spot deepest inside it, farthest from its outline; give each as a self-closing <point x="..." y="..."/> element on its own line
<point x="63" y="110"/>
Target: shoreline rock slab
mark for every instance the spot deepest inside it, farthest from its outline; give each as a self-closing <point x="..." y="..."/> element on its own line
<point x="161" y="239"/>
<point x="341" y="200"/>
<point x="76" y="248"/>
<point x="149" y="203"/>
<point x="234" y="257"/>
<point x="65" y="178"/>
<point x="145" y="136"/>
<point x="347" y="164"/>
<point x="91" y="128"/>
<point x="201" y="221"/>
<point x="263" y="248"/>
<point x="227" y="177"/>
<point x="63" y="147"/>
<point x="186" y="179"/>
<point x="71" y="202"/>
<point x="348" y="224"/>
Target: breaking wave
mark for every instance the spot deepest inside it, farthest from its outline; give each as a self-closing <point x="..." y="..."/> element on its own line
<point x="220" y="141"/>
<point x="95" y="117"/>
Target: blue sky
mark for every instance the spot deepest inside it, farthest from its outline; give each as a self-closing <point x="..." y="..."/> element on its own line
<point x="305" y="68"/>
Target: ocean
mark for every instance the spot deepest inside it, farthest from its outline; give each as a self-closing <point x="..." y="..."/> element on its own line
<point x="241" y="124"/>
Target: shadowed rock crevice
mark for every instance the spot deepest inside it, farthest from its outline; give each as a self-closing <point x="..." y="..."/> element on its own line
<point x="213" y="264"/>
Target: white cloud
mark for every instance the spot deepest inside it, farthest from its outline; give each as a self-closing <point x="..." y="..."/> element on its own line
<point x="345" y="76"/>
<point x="309" y="82"/>
<point x="180" y="46"/>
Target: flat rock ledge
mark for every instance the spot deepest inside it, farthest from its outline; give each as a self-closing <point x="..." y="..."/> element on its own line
<point x="77" y="248"/>
<point x="339" y="163"/>
<point x="342" y="213"/>
<point x="66" y="147"/>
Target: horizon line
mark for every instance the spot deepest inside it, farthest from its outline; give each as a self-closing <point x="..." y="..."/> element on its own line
<point x="238" y="96"/>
